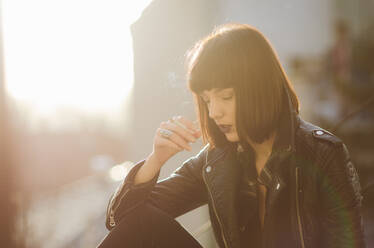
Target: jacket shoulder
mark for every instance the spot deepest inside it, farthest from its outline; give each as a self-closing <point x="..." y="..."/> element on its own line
<point x="199" y="159"/>
<point x="313" y="135"/>
<point x="208" y="154"/>
<point x="326" y="149"/>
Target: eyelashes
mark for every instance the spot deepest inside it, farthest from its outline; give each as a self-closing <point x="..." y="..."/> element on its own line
<point x="225" y="98"/>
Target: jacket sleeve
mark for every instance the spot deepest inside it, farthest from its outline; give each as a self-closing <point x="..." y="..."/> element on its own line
<point x="181" y="192"/>
<point x="341" y="200"/>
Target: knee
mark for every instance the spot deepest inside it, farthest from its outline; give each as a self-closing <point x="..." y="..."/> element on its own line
<point x="145" y="218"/>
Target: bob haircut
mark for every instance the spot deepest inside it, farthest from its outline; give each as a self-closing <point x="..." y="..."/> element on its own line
<point x="238" y="56"/>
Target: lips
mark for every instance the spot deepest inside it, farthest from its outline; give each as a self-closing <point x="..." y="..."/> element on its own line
<point x="225" y="128"/>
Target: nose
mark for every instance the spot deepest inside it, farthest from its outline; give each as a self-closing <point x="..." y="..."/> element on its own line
<point x="215" y="110"/>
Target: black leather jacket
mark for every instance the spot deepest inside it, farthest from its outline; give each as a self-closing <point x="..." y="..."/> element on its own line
<point x="318" y="180"/>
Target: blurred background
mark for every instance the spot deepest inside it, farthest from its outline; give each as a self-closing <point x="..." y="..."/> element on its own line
<point x="84" y="85"/>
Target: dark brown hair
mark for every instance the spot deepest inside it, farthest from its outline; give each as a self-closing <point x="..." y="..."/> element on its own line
<point x="238" y="56"/>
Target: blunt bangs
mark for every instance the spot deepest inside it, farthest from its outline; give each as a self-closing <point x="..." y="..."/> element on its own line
<point x="212" y="70"/>
<point x="217" y="62"/>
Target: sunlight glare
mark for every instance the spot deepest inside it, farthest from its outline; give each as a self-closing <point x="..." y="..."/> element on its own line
<point x="72" y="53"/>
<point x="119" y="172"/>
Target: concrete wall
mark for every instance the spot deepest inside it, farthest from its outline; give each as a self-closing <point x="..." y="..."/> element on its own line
<point x="161" y="37"/>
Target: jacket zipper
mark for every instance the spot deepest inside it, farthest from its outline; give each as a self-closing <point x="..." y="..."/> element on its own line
<point x="112" y="223"/>
<point x="215" y="212"/>
<point x="211" y="197"/>
<point x="112" y="209"/>
<point x="301" y="233"/>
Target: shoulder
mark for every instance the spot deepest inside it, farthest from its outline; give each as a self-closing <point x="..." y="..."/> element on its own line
<point x="202" y="155"/>
<point x="315" y="135"/>
<point x="193" y="165"/>
<point x="208" y="154"/>
<point x="330" y="157"/>
<point x="199" y="159"/>
<point x="319" y="142"/>
<point x="328" y="154"/>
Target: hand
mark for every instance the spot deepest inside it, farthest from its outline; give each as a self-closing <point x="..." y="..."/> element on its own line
<point x="172" y="137"/>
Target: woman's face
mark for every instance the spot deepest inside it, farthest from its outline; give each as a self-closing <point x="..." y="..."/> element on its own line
<point x="221" y="107"/>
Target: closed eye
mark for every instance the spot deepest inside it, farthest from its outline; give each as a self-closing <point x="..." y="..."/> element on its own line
<point x="227" y="97"/>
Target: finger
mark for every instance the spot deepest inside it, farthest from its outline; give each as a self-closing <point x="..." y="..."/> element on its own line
<point x="183" y="132"/>
<point x="181" y="125"/>
<point x="170" y="144"/>
<point x="187" y="124"/>
<point x="195" y="126"/>
<point x="174" y="137"/>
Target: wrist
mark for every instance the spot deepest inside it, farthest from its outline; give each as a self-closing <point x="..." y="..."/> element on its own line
<point x="152" y="159"/>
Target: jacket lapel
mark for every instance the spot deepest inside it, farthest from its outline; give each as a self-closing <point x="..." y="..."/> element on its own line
<point x="224" y="179"/>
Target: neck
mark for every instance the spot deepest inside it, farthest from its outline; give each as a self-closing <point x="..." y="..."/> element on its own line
<point x="265" y="148"/>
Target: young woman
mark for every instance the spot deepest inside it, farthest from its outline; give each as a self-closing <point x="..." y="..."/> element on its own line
<point x="269" y="178"/>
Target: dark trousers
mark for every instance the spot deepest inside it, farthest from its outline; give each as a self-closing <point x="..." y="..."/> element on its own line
<point x="148" y="227"/>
